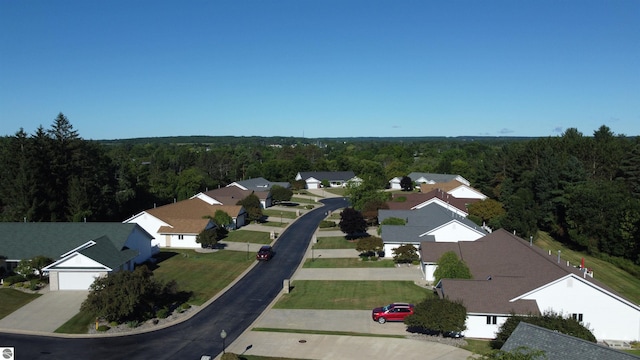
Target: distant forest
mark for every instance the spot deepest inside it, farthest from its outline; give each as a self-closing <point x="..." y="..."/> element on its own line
<point x="582" y="189"/>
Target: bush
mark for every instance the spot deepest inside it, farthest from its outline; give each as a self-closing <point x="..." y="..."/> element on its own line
<point x="327" y="224"/>
<point x="163" y="313"/>
<point x="133" y="324"/>
<point x="14" y="279"/>
<point x="103" y="328"/>
<point x="229" y="356"/>
<point x="184" y="307"/>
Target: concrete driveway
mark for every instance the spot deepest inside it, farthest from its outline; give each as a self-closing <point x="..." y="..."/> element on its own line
<point x="46" y="313"/>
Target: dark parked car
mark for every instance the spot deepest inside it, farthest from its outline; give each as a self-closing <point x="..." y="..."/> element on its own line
<point x="265" y="253"/>
<point x="392" y="312"/>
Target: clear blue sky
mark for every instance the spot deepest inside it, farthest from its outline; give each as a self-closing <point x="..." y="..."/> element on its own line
<point x="330" y="68"/>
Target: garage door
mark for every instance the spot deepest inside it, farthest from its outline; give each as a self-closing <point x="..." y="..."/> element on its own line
<point x="76" y="280"/>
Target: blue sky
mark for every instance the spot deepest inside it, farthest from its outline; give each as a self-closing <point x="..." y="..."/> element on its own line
<point x="124" y="69"/>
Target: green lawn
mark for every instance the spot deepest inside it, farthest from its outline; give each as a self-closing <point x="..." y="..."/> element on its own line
<point x="347" y="263"/>
<point x="614" y="277"/>
<point x="204" y="274"/>
<point x="274" y="215"/>
<point x="334" y="242"/>
<point x="11" y="300"/>
<point x="244" y="236"/>
<point x="77" y="324"/>
<point x="349" y="295"/>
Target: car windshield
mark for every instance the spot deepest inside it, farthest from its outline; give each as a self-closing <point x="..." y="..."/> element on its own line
<point x="386" y="308"/>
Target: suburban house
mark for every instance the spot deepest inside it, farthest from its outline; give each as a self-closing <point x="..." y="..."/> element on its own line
<point x="512" y="276"/>
<point x="261" y="187"/>
<point x="455" y="189"/>
<point x="414" y="201"/>
<point x="432" y="222"/>
<point x="314" y="179"/>
<point x="559" y="346"/>
<point x="427" y="178"/>
<point x="81" y="252"/>
<point x="178" y="224"/>
<point x="231" y="194"/>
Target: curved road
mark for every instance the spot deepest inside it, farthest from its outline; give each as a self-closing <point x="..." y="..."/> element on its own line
<point x="234" y="311"/>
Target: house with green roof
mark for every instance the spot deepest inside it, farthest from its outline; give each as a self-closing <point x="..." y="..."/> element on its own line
<point x="81" y="252"/>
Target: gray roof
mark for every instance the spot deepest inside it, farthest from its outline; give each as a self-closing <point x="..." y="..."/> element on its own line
<point x="558" y="346"/>
<point x="261" y="184"/>
<point x="401" y="234"/>
<point x="26" y="240"/>
<point x="328" y="175"/>
<point x="428" y="217"/>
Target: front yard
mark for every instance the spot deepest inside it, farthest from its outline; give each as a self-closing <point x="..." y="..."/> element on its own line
<point x="11" y="300"/>
<point x="349" y="295"/>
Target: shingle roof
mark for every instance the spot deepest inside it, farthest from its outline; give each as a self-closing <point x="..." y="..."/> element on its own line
<point x="27" y="240"/>
<point x="558" y="346"/>
<point x="191" y="209"/>
<point x="230" y="195"/>
<point x="415" y="199"/>
<point x="430" y="217"/>
<point x="259" y="184"/>
<point x="513" y="266"/>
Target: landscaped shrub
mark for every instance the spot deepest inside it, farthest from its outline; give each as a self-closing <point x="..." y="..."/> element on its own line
<point x="14" y="279"/>
<point x="113" y="324"/>
<point x="184" y="307"/>
<point x="133" y="323"/>
<point x="327" y="224"/>
<point x="229" y="356"/>
<point x="163" y="313"/>
<point x="103" y="328"/>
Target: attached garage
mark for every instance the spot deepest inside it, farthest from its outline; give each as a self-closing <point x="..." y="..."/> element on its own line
<point x="76" y="280"/>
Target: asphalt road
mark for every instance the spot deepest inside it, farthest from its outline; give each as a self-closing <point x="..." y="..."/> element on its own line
<point x="234" y="311"/>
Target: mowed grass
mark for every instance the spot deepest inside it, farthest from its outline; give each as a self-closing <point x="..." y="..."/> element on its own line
<point x="321" y="263"/>
<point x="203" y="274"/>
<point x="349" y="295"/>
<point x="77" y="324"/>
<point x="11" y="300"/>
<point x="615" y="278"/>
<point x="334" y="242"/>
<point x="274" y="215"/>
<point x="250" y="236"/>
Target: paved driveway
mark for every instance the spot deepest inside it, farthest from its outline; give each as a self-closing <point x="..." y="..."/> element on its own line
<point x="46" y="313"/>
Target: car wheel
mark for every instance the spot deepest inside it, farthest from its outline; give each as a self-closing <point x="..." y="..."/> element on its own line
<point x="382" y="320"/>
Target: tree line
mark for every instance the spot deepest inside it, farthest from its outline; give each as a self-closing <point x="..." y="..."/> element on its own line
<point x="584" y="190"/>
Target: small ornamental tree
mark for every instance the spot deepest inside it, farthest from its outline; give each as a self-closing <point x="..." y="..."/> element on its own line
<point x="405" y="254"/>
<point x="129" y="295"/>
<point x="280" y="194"/>
<point x="406" y="184"/>
<point x="252" y="204"/>
<point x="549" y="320"/>
<point x="437" y="315"/>
<point x="40" y="262"/>
<point x="450" y="267"/>
<point x="369" y="246"/>
<point x="207" y="238"/>
<point x="222" y="220"/>
<point x="352" y="223"/>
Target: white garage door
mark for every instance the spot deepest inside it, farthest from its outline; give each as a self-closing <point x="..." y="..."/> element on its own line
<point x="76" y="280"/>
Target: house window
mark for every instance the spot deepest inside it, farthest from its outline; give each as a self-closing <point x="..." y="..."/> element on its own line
<point x="492" y="320"/>
<point x="180" y="237"/>
<point x="577" y="317"/>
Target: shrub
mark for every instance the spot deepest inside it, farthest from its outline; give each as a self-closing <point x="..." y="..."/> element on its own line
<point x="113" y="324"/>
<point x="163" y="313"/>
<point x="184" y="307"/>
<point x="13" y="279"/>
<point x="133" y="323"/>
<point x="103" y="328"/>
<point x="327" y="224"/>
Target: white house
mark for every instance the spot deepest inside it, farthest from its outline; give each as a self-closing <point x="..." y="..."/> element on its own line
<point x="81" y="252"/>
<point x="314" y="179"/>
<point x="432" y="222"/>
<point x="510" y="275"/>
<point x="177" y="225"/>
<point x="427" y="178"/>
